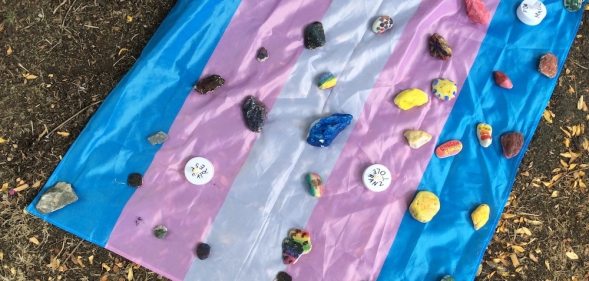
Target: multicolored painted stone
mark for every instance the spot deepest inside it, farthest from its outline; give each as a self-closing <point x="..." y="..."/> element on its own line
<point x="160" y="231"/>
<point x="439" y="47"/>
<point x="573" y="5"/>
<point x="323" y="131"/>
<point x="382" y="24"/>
<point x="262" y="54"/>
<point x="502" y="80"/>
<point x="477" y="11"/>
<point x="314" y="36"/>
<point x="209" y="84"/>
<point x="296" y="244"/>
<point x="425" y="206"/>
<point x="315" y="184"/>
<point x="531" y="12"/>
<point x="449" y="149"/>
<point x="485" y="134"/>
<point x="444" y="89"/>
<point x="254" y="113"/>
<point x="480" y="216"/>
<point x="411" y="98"/>
<point x="548" y="65"/>
<point x="326" y="81"/>
<point x="512" y="144"/>
<point x="417" y="138"/>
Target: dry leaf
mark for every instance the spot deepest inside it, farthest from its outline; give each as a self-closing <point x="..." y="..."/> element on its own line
<point x="21" y="187"/>
<point x="30" y="76"/>
<point x="3" y="140"/>
<point x="36" y="184"/>
<point x="1" y="255"/>
<point x="581" y="105"/>
<point x="518" y="249"/>
<point x="571" y="255"/>
<point x="34" y="240"/>
<point x="91" y="259"/>
<point x="105" y="266"/>
<point x="9" y="51"/>
<point x="63" y="134"/>
<point x="567" y="142"/>
<point x="54" y="264"/>
<point x="123" y="50"/>
<point x="130" y="274"/>
<point x="524" y="230"/>
<point x="129" y="19"/>
<point x="554" y="194"/>
<point x="548" y="115"/>
<point x="514" y="260"/>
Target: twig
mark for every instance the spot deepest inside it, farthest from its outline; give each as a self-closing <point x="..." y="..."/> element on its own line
<point x="69" y="119"/>
<point x="577" y="64"/>
<point x="73" y="251"/>
<point x="58" y="6"/>
<point x="528" y="214"/>
<point x="567" y="174"/>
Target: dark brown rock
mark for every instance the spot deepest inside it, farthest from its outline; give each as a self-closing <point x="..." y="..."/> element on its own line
<point x="209" y="84"/>
<point x="439" y="47"/>
<point x="512" y="144"/>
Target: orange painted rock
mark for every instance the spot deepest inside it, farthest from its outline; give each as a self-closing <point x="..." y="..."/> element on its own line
<point x="449" y="149"/>
<point x="548" y="65"/>
<point x="512" y="144"/>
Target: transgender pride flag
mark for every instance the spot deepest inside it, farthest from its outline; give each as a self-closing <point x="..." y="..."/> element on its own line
<point x="258" y="192"/>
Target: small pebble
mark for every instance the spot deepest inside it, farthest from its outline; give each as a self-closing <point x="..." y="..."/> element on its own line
<point x="382" y="24"/>
<point x="135" y="180"/>
<point x="502" y="80"/>
<point x="477" y="11"/>
<point x="425" y="206"/>
<point x="209" y="84"/>
<point x="512" y="144"/>
<point x="449" y="149"/>
<point x="439" y="47"/>
<point x="411" y="98"/>
<point x="203" y="250"/>
<point x="158" y="138"/>
<point x="254" y="113"/>
<point x="444" y="89"/>
<point x="326" y="81"/>
<point x="315" y="184"/>
<point x="531" y="12"/>
<point x="283" y="276"/>
<point x="548" y="65"/>
<point x="323" y="131"/>
<point x="262" y="54"/>
<point x="160" y="232"/>
<point x="485" y="134"/>
<point x="314" y="36"/>
<point x="480" y="216"/>
<point x="417" y="138"/>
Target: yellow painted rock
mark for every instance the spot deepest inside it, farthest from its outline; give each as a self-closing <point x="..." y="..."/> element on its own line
<point x="425" y="206"/>
<point x="480" y="216"/>
<point x="411" y="98"/>
<point x="417" y="138"/>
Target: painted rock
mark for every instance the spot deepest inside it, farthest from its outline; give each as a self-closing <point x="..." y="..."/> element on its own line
<point x="158" y="138"/>
<point x="444" y="89"/>
<point x="314" y="36"/>
<point x="209" y="84"/>
<point x="531" y="12"/>
<point x="135" y="180"/>
<point x="449" y="149"/>
<point x="262" y="54"/>
<point x="56" y="197"/>
<point x="326" y="81"/>
<point x="447" y="278"/>
<point x="283" y="276"/>
<point x="439" y="47"/>
<point x="485" y="134"/>
<point x="573" y="5"/>
<point x="512" y="144"/>
<point x="296" y="244"/>
<point x="315" y="184"/>
<point x="203" y="250"/>
<point x="323" y="131"/>
<point x="382" y="24"/>
<point x="417" y="138"/>
<point x="502" y="80"/>
<point x="425" y="206"/>
<point x="411" y="98"/>
<point x="548" y="65"/>
<point x="160" y="231"/>
<point x="480" y="216"/>
<point x="254" y="113"/>
<point x="199" y="171"/>
<point x="477" y="11"/>
<point x="377" y="178"/>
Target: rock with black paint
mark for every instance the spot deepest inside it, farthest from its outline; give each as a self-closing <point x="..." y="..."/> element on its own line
<point x="254" y="114"/>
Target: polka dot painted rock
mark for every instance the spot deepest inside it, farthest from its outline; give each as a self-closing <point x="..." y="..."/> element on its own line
<point x="573" y="5"/>
<point x="315" y="184"/>
<point x="262" y="54"/>
<point x="485" y="134"/>
<point x="512" y="144"/>
<point x="444" y="89"/>
<point x="480" y="216"/>
<point x="283" y="276"/>
<point x="548" y="65"/>
<point x="449" y="149"/>
<point x="411" y="98"/>
<point x="160" y="232"/>
<point x="425" y="206"/>
<point x="417" y="138"/>
<point x="326" y="81"/>
<point x="382" y="24"/>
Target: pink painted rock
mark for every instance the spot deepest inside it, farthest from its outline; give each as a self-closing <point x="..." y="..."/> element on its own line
<point x="548" y="65"/>
<point x="503" y="80"/>
<point x="477" y="11"/>
<point x="512" y="144"/>
<point x="449" y="149"/>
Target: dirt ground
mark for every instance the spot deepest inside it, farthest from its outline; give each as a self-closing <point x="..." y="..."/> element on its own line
<point x="60" y="58"/>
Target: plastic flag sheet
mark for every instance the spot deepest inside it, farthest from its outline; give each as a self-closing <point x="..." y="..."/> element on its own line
<point x="224" y="190"/>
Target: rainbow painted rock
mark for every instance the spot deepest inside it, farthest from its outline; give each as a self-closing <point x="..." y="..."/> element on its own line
<point x="325" y="130"/>
<point x="548" y="65"/>
<point x="512" y="144"/>
<point x="477" y="11"/>
<point x="439" y="47"/>
<point x="411" y="98"/>
<point x="425" y="206"/>
<point x="502" y="80"/>
<point x="417" y="138"/>
<point x="296" y="244"/>
<point x="209" y="84"/>
<point x="326" y="81"/>
<point x="444" y="89"/>
<point x="480" y="216"/>
<point x="485" y="134"/>
<point x="449" y="149"/>
<point x="315" y="184"/>
<point x="382" y="24"/>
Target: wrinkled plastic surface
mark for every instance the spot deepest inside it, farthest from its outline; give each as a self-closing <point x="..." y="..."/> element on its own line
<point x="259" y="192"/>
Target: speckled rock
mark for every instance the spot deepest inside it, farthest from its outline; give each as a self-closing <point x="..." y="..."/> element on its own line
<point x="480" y="216"/>
<point x="548" y="65"/>
<point x="209" y="84"/>
<point x="254" y="113"/>
<point x="447" y="278"/>
<point x="323" y="131"/>
<point x="512" y="144"/>
<point x="135" y="180"/>
<point x="56" y="197"/>
<point x="283" y="276"/>
<point x="417" y="138"/>
<point x="425" y="206"/>
<point x="314" y="36"/>
<point x="439" y="47"/>
<point x="411" y="98"/>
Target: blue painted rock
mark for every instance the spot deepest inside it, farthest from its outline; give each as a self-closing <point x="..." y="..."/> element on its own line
<point x="254" y="113"/>
<point x="326" y="81"/>
<point x="314" y="36"/>
<point x="323" y="131"/>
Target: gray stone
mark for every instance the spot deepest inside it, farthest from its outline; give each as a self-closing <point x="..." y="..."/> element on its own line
<point x="158" y="138"/>
<point x="56" y="197"/>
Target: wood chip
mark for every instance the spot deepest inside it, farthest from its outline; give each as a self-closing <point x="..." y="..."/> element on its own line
<point x="548" y="115"/>
<point x="106" y="267"/>
<point x="3" y="140"/>
<point x="533" y="257"/>
<point x="518" y="249"/>
<point x="514" y="260"/>
<point x="9" y="51"/>
<point x="30" y="76"/>
<point x="21" y="187"/>
<point x="581" y="105"/>
<point x="54" y="264"/>
<point x="34" y="240"/>
<point x="91" y="259"/>
<point x="571" y="255"/>
<point x="63" y="134"/>
<point x="1" y="255"/>
<point x="524" y="230"/>
<point x="130" y="274"/>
